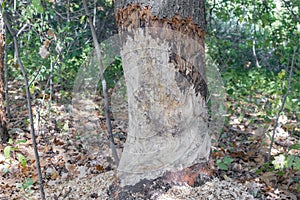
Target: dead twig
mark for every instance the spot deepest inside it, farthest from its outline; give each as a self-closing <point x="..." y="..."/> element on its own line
<point x="67" y="193"/>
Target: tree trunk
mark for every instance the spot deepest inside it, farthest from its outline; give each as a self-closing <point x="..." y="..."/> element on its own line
<point x="164" y="68"/>
<point x="3" y="124"/>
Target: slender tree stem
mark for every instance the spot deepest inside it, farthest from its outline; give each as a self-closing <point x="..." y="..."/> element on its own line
<point x="254" y="39"/>
<point x="104" y="87"/>
<point x="282" y="105"/>
<point x="17" y="54"/>
<point x="3" y="121"/>
<point x="6" y="80"/>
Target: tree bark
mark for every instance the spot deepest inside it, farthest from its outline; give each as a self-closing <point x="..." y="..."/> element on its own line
<point x="164" y="68"/>
<point x="3" y="122"/>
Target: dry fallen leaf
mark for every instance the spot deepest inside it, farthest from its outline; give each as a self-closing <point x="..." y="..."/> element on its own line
<point x="269" y="178"/>
<point x="54" y="175"/>
<point x="44" y="53"/>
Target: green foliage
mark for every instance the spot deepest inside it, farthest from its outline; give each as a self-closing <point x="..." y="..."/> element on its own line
<point x="224" y="163"/>
<point x="288" y="161"/>
<point x="37" y="5"/>
<point x="293" y="161"/>
<point x="260" y="91"/>
<point x="28" y="183"/>
<point x="257" y="93"/>
<point x="113" y="72"/>
<point x="62" y="30"/>
<point x="7" y="151"/>
<point x="11" y="150"/>
<point x="265" y="167"/>
<point x="235" y="27"/>
<point x="294" y="146"/>
<point x="21" y="159"/>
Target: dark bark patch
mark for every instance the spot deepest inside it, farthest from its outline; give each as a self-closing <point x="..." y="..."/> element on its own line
<point x="194" y="176"/>
<point x="144" y="189"/>
<point x="189" y="73"/>
<point x="3" y="123"/>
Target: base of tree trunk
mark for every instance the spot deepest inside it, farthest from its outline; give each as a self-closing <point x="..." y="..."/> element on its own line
<point x="193" y="176"/>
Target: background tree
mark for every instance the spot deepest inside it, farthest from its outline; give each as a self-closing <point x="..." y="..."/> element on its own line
<point x="164" y="70"/>
<point x="3" y="122"/>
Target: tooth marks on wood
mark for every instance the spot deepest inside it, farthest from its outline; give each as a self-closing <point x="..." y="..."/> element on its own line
<point x="187" y="72"/>
<point x="136" y="16"/>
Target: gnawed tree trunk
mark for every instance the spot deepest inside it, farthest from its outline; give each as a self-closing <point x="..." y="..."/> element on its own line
<point x="164" y="68"/>
<point x="3" y="123"/>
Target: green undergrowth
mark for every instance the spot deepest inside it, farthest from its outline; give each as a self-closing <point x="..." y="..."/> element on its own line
<point x="259" y="93"/>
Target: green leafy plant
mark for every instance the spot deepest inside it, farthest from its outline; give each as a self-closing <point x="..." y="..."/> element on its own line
<point x="12" y="148"/>
<point x="224" y="163"/>
<point x="260" y="91"/>
<point x="21" y="159"/>
<point x="28" y="183"/>
<point x="288" y="161"/>
<point x="265" y="167"/>
<point x="113" y="73"/>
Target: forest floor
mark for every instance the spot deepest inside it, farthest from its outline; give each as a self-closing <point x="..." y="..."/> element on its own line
<point x="77" y="163"/>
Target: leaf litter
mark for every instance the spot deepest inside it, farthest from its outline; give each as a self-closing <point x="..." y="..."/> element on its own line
<point x="77" y="163"/>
